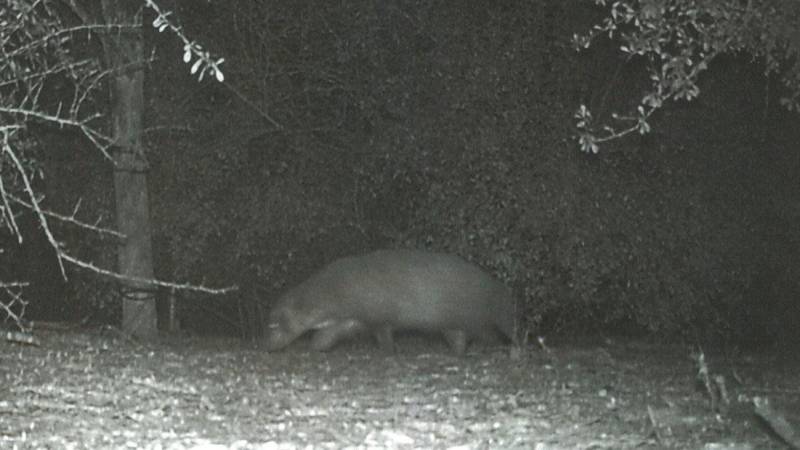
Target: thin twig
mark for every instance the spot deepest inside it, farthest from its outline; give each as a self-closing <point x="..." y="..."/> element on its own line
<point x="34" y="203"/>
<point x="70" y="219"/>
<point x="150" y="281"/>
<point x="777" y="422"/>
<point x="16" y="298"/>
<point x="95" y="136"/>
<point x="8" y="214"/>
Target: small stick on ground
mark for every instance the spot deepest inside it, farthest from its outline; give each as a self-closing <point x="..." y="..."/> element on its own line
<point x="654" y="422"/>
<point x="20" y="337"/>
<point x="777" y="422"/>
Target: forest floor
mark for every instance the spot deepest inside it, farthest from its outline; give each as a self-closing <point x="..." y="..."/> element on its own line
<point x="95" y="389"/>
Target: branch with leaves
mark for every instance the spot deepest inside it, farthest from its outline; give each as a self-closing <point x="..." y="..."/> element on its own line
<point x="203" y="62"/>
<point x="679" y="39"/>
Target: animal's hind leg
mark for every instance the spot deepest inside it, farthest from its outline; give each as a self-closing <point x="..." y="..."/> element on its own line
<point x="385" y="339"/>
<point x="457" y="339"/>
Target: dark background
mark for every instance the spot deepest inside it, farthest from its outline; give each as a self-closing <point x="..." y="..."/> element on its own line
<point x="447" y="126"/>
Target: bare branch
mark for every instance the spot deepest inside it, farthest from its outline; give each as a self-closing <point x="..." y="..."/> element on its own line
<point x="152" y="282"/>
<point x="8" y="214"/>
<point x="42" y="55"/>
<point x="12" y="290"/>
<point x="46" y="73"/>
<point x="13" y="284"/>
<point x="32" y="45"/>
<point x="69" y="219"/>
<point x="101" y="141"/>
<point x="34" y="203"/>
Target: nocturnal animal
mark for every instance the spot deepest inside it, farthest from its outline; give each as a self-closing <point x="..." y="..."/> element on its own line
<point x="386" y="291"/>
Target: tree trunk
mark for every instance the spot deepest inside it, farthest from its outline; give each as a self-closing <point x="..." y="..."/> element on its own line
<point x="124" y="52"/>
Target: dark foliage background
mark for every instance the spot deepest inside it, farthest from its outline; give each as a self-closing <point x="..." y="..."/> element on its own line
<point x="447" y="126"/>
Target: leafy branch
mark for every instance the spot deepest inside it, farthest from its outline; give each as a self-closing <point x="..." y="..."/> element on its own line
<point x="679" y="39"/>
<point x="203" y="62"/>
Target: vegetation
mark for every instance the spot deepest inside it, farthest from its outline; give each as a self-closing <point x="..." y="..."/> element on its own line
<point x="60" y="63"/>
<point x="679" y="39"/>
<point x="343" y="127"/>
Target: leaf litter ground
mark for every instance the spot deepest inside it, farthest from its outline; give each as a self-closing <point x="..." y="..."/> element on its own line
<point x="92" y="389"/>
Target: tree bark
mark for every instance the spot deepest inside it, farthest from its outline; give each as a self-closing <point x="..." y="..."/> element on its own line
<point x="124" y="53"/>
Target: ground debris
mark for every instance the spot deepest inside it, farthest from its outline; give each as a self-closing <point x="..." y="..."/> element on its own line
<point x="82" y="390"/>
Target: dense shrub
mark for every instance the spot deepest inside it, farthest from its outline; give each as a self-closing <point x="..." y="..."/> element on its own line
<point x="446" y="126"/>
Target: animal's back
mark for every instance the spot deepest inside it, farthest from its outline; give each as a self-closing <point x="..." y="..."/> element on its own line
<point x="426" y="290"/>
